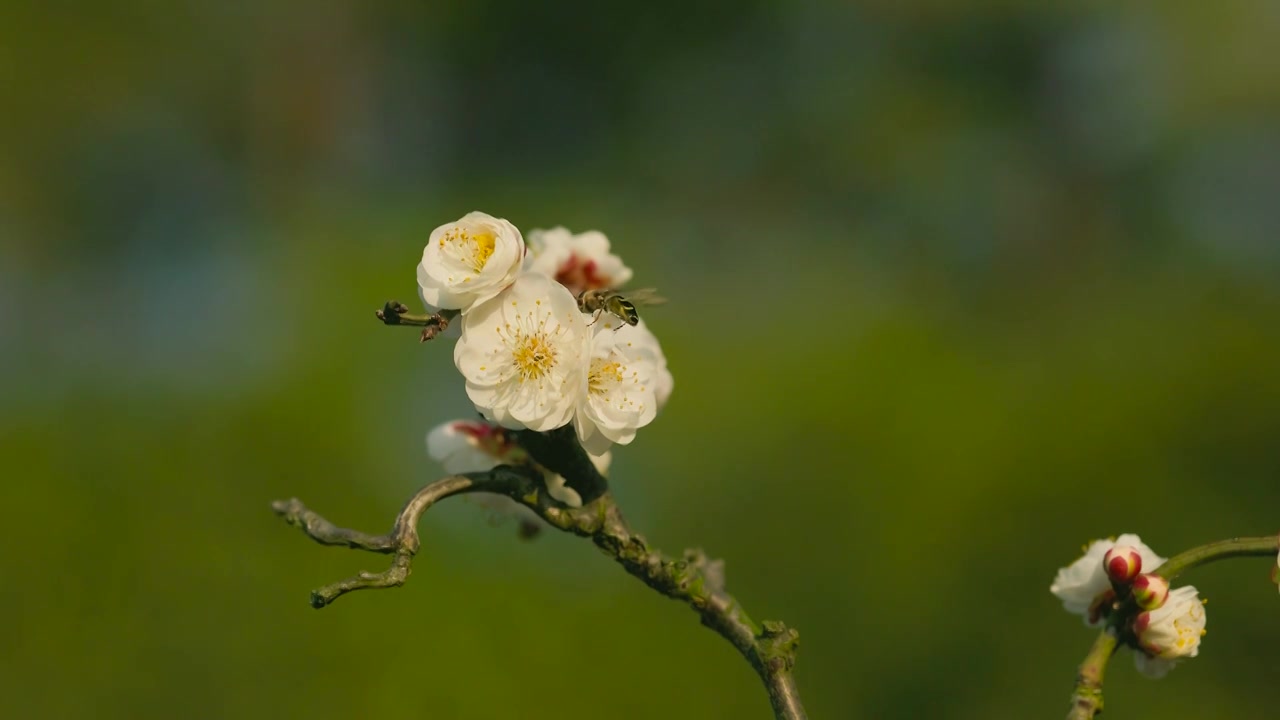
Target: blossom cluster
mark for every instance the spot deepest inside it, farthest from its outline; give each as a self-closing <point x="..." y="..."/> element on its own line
<point x="531" y="358"/>
<point x="1107" y="587"/>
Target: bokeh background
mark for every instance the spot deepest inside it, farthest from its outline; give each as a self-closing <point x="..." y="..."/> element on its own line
<point x="955" y="288"/>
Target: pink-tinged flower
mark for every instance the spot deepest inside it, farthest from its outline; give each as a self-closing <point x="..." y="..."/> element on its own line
<point x="579" y="262"/>
<point x="1169" y="633"/>
<point x="464" y="446"/>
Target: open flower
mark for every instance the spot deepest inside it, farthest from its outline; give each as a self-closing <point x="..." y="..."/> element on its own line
<point x="523" y="354"/>
<point x="469" y="261"/>
<point x="579" y="262"/>
<point x="619" y="385"/>
<point x="464" y="446"/>
<point x="1082" y="584"/>
<point x="1170" y="632"/>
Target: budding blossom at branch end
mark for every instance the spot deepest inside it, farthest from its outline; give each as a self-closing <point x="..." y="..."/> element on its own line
<point x="1083" y="586"/>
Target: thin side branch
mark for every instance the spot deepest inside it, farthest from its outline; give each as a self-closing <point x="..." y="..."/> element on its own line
<point x="1086" y="701"/>
<point x="693" y="579"/>
<point x="1266" y="546"/>
<point x="395" y="312"/>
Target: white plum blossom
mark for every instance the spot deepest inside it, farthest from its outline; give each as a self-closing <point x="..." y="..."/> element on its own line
<point x="464" y="446"/>
<point x="523" y="354"/>
<point x="1083" y="583"/>
<point x="620" y="382"/>
<point x="469" y="261"/>
<point x="531" y="359"/>
<point x="1170" y="633"/>
<point x="579" y="262"/>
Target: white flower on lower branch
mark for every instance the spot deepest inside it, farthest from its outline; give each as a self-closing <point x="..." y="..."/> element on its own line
<point x="1169" y="633"/>
<point x="1083" y="586"/>
<point x="464" y="446"/>
<point x="523" y="354"/>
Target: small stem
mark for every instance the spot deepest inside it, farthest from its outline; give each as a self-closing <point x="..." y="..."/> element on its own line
<point x="1086" y="701"/>
<point x="395" y="312"/>
<point x="1266" y="546"/>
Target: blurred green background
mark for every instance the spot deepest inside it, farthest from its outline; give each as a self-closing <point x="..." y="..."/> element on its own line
<point x="956" y="287"/>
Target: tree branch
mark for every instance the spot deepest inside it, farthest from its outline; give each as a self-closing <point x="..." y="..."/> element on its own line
<point x="1266" y="546"/>
<point x="560" y="452"/>
<point x="693" y="579"/>
<point x="1086" y="701"/>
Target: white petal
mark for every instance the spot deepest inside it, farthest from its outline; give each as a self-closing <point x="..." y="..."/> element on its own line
<point x="1081" y="582"/>
<point x="1152" y="667"/>
<point x="1150" y="560"/>
<point x="444" y="440"/>
<point x="458" y="451"/>
<point x="596" y="444"/>
<point x="645" y="345"/>
<point x="602" y="461"/>
<point x="557" y="489"/>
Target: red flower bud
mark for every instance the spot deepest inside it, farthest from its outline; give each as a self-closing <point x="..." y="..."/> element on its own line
<point x="1150" y="591"/>
<point x="1122" y="563"/>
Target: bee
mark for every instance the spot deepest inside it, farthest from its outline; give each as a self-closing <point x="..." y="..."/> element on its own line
<point x="615" y="303"/>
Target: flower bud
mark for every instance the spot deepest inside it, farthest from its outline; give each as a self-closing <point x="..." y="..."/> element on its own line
<point x="1150" y="591"/>
<point x="1123" y="563"/>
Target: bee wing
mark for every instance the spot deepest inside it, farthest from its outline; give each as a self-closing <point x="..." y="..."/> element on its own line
<point x="644" y="296"/>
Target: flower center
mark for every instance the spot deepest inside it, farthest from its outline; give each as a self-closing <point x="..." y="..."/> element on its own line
<point x="603" y="376"/>
<point x="578" y="275"/>
<point x="1188" y="634"/>
<point x="471" y="249"/>
<point x="492" y="440"/>
<point x="533" y="354"/>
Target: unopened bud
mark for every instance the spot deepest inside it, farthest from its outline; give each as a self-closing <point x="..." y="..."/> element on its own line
<point x="1150" y="591"/>
<point x="1122" y="563"/>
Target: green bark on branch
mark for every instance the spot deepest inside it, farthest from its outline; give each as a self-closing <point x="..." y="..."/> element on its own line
<point x="1086" y="701"/>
